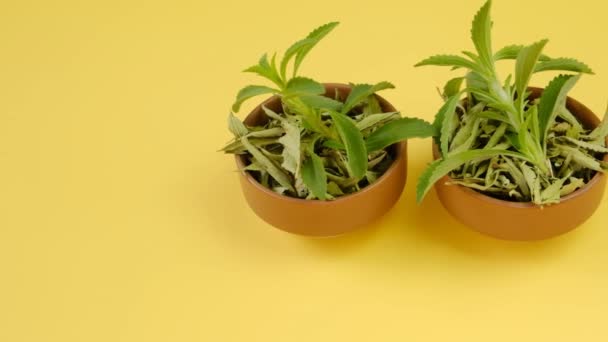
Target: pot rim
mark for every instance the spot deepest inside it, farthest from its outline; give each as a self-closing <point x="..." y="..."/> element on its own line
<point x="579" y="192"/>
<point x="400" y="151"/>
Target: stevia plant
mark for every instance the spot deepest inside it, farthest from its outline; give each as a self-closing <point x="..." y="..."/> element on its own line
<point x="496" y="139"/>
<point x="319" y="147"/>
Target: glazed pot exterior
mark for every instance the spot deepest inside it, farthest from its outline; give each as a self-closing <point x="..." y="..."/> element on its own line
<point x="525" y="221"/>
<point x="324" y="218"/>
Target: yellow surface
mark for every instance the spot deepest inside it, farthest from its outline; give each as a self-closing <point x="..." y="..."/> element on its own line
<point x="120" y="222"/>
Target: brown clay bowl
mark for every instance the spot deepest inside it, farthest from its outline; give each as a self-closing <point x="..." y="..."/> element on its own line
<point x="524" y="221"/>
<point x="324" y="218"/>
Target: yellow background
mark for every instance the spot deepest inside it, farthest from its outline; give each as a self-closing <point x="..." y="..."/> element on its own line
<point x="119" y="221"/>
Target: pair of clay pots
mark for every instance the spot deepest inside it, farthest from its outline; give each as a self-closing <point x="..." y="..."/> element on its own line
<point x="494" y="217"/>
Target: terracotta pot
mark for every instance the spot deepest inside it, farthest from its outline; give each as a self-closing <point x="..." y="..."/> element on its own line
<point x="524" y="221"/>
<point x="324" y="218"/>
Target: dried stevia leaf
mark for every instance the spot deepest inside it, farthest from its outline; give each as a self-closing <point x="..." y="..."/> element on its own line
<point x="573" y="185"/>
<point x="291" y="147"/>
<point x="236" y="126"/>
<point x="580" y="157"/>
<point x="276" y="173"/>
<point x="587" y="145"/>
<point x="533" y="182"/>
<point x="375" y="119"/>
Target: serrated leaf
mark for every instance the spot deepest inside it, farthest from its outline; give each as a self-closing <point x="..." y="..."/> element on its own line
<point x="563" y="64"/>
<point x="481" y="34"/>
<point x="354" y="144"/>
<point x="236" y="126"/>
<point x="280" y="176"/>
<point x="442" y="167"/>
<point x="292" y="51"/>
<point x="524" y="66"/>
<point x="321" y="102"/>
<point x="249" y="92"/>
<point x="317" y="34"/>
<point x="374" y="119"/>
<point x="452" y="61"/>
<point x="587" y="146"/>
<point x="299" y="86"/>
<point x="511" y="52"/>
<point x="552" y="100"/>
<point x="360" y="92"/>
<point x="452" y="87"/>
<point x="399" y="130"/>
<point x="266" y="70"/>
<point x="581" y="158"/>
<point x="314" y="176"/>
<point x="445" y="114"/>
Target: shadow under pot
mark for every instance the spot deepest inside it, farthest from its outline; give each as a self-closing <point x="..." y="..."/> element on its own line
<point x="324" y="218"/>
<point x="509" y="220"/>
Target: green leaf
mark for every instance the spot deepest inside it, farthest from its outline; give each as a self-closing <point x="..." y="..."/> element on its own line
<point x="292" y="51"/>
<point x="249" y="92"/>
<point x="279" y="175"/>
<point x="452" y="61"/>
<point x="321" y="102"/>
<point x="299" y="86"/>
<point x="512" y="51"/>
<point x="498" y="134"/>
<point x="452" y="87"/>
<point x="266" y="70"/>
<point x="360" y="92"/>
<point x="236" y="127"/>
<point x="476" y="81"/>
<point x="563" y="64"/>
<point x="354" y="144"/>
<point x="444" y="120"/>
<point x="399" y="130"/>
<point x="372" y="106"/>
<point x="334" y="189"/>
<point x="480" y="34"/>
<point x="314" y="176"/>
<point x="333" y="144"/>
<point x="524" y="67"/>
<point x="316" y="35"/>
<point x="486" y="114"/>
<point x="442" y="167"/>
<point x="552" y="100"/>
